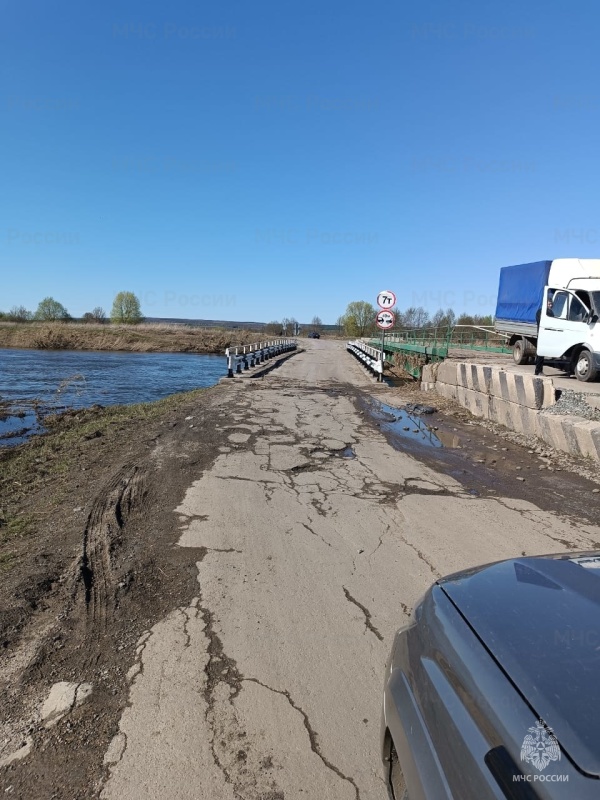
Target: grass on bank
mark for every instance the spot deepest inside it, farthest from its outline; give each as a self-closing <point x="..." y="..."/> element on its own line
<point x="143" y="338"/>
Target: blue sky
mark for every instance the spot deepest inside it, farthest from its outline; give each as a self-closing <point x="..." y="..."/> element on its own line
<point x="252" y="161"/>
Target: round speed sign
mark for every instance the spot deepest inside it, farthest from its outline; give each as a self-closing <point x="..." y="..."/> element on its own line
<point x="386" y="300"/>
<point x="385" y="320"/>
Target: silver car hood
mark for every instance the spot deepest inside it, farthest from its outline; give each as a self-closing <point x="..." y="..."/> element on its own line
<point x="540" y="620"/>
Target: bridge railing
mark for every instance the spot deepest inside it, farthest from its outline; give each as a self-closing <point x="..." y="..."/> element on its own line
<point x="412" y="348"/>
<point x="369" y="356"/>
<point x="479" y="337"/>
<point x="473" y="337"/>
<point x="242" y="357"/>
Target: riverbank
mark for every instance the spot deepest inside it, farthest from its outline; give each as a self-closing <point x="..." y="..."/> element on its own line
<point x="144" y="338"/>
<point x="113" y="472"/>
<point x="46" y="485"/>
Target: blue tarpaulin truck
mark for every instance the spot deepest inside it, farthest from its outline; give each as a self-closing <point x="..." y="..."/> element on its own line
<point x="569" y="333"/>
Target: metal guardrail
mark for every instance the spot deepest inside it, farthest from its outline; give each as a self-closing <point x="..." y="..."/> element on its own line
<point x="243" y="357"/>
<point x="368" y="355"/>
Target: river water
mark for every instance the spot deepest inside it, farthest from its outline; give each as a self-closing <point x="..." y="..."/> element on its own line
<point x="34" y="382"/>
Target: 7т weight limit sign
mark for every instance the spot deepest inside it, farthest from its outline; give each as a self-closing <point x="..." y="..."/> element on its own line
<point x="386" y="300"/>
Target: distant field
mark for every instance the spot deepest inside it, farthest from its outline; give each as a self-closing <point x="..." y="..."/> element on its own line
<point x="144" y="338"/>
<point x="305" y="327"/>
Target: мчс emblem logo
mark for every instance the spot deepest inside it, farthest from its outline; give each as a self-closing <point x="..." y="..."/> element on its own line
<point x="540" y="746"/>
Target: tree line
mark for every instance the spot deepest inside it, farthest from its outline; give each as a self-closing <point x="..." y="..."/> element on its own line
<point x="289" y="326"/>
<point x="125" y="309"/>
<point x="359" y="319"/>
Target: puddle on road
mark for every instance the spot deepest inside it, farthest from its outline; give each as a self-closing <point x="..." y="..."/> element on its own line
<point x="411" y="427"/>
<point x="347" y="452"/>
<point x="485" y="463"/>
<point x="448" y="439"/>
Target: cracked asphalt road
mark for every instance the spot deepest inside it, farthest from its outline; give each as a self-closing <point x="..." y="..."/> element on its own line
<point x="268" y="685"/>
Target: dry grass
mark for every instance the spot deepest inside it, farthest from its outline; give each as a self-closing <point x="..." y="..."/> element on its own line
<point x="144" y="338"/>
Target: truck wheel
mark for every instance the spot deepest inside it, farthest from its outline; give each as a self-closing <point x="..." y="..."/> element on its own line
<point x="519" y="351"/>
<point x="585" y="369"/>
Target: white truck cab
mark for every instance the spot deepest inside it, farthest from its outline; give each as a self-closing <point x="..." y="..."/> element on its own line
<point x="569" y="323"/>
<point x="567" y="292"/>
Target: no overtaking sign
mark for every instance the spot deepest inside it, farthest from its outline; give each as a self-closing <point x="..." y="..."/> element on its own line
<point x="385" y="320"/>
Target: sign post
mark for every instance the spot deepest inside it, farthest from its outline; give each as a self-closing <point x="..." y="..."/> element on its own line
<point x="384" y="320"/>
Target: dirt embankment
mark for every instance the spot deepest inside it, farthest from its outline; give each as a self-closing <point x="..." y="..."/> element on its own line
<point x="87" y="562"/>
<point x="145" y="338"/>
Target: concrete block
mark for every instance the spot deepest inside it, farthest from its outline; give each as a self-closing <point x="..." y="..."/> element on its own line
<point x="526" y="390"/>
<point x="549" y="393"/>
<point x="515" y="400"/>
<point x="584" y="434"/>
<point x="501" y="386"/>
<point x="428" y="373"/>
<point x="446" y="390"/>
<point x="461" y="374"/>
<point x="479" y="377"/>
<point x="447" y="372"/>
<point x="552" y="432"/>
<point x="475" y="402"/>
<point x="474" y="376"/>
<point x="595" y="434"/>
<point x="570" y="433"/>
<point x="514" y="416"/>
<point x="500" y="411"/>
<point x="529" y="418"/>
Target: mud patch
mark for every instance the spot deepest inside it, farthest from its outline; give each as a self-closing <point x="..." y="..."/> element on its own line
<point x="407" y="425"/>
<point x="488" y="465"/>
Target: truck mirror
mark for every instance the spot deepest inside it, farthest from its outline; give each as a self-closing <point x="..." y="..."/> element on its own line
<point x="593" y="319"/>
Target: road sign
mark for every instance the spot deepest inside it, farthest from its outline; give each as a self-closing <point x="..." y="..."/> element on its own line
<point x="385" y="320"/>
<point x="386" y="300"/>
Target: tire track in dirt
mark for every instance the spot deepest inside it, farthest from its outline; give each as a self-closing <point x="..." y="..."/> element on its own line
<point x="110" y="510"/>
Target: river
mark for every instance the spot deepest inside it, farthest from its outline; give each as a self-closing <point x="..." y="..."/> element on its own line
<point x="40" y="381"/>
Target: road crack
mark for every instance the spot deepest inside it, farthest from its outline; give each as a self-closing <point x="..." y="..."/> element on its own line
<point x="422" y="556"/>
<point x="219" y="669"/>
<point x="380" y="542"/>
<point x="187" y="619"/>
<point x="368" y="624"/>
<point x="314" y="533"/>
<point x="204" y="551"/>
<point x="312" y="734"/>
